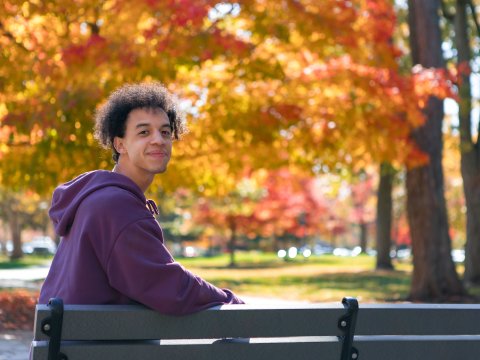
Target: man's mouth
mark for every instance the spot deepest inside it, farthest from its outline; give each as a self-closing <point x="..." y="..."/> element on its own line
<point x="157" y="154"/>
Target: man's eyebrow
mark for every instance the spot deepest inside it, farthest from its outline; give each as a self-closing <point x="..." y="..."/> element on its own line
<point x="141" y="125"/>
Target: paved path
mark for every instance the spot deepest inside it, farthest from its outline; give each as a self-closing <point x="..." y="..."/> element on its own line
<point x="15" y="345"/>
<point x="23" y="278"/>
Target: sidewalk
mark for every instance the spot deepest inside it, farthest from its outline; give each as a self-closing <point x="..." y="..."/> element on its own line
<point x="15" y="345"/>
<point x="23" y="278"/>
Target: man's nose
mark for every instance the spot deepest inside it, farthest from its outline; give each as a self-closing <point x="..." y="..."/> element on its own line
<point x="157" y="138"/>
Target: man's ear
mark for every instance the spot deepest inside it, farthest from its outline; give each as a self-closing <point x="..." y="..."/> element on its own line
<point x="118" y="145"/>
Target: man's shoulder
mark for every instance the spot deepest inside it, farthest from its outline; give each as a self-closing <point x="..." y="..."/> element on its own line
<point x="113" y="207"/>
<point x="112" y="198"/>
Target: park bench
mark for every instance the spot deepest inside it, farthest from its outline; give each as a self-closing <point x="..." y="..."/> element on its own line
<point x="253" y="332"/>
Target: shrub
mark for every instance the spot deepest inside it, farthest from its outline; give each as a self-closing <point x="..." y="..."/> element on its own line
<point x="17" y="309"/>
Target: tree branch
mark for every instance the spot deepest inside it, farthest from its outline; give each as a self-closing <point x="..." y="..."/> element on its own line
<point x="474" y="16"/>
<point x="9" y="35"/>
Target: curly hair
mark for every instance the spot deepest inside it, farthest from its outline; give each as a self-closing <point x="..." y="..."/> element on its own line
<point x="111" y="117"/>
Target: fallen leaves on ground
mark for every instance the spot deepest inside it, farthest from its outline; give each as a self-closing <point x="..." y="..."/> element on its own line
<point x="17" y="309"/>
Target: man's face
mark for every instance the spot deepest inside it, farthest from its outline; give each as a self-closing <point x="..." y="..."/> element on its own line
<point x="146" y="148"/>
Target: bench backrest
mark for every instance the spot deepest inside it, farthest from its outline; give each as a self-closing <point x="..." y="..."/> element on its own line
<point x="242" y="332"/>
<point x="382" y="331"/>
<point x="418" y="331"/>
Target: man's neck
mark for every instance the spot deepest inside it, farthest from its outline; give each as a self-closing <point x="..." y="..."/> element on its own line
<point x="143" y="182"/>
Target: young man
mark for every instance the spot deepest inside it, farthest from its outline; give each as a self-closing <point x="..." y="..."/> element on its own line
<point x="112" y="249"/>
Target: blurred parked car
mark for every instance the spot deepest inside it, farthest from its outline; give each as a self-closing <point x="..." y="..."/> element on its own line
<point x="318" y="248"/>
<point x="405" y="253"/>
<point x="290" y="253"/>
<point x="402" y="253"/>
<point x="192" y="251"/>
<point x="40" y="245"/>
<point x="343" y="252"/>
<point x="322" y="247"/>
<point x="6" y="247"/>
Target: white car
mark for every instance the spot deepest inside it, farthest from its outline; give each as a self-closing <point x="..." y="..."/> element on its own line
<point x="41" y="245"/>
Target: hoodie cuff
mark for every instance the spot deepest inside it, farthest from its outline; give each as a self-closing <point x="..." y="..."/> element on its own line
<point x="232" y="298"/>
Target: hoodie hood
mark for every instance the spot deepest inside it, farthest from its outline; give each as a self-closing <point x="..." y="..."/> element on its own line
<point x="67" y="197"/>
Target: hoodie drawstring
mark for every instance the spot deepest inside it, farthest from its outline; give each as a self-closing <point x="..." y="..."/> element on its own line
<point x="152" y="207"/>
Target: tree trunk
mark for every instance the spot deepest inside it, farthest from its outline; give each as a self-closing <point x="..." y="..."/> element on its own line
<point x="3" y="242"/>
<point x="384" y="217"/>
<point x="275" y="243"/>
<point x="363" y="236"/>
<point x="16" y="233"/>
<point x="232" y="243"/>
<point x="434" y="274"/>
<point x="469" y="150"/>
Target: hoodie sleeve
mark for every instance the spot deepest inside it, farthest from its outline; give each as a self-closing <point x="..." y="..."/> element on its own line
<point x="140" y="267"/>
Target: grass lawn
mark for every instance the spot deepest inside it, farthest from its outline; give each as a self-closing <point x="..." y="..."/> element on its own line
<point x="318" y="279"/>
<point x="324" y="278"/>
<point x="26" y="261"/>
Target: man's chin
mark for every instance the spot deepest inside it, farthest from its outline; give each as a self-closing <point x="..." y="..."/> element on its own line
<point x="161" y="170"/>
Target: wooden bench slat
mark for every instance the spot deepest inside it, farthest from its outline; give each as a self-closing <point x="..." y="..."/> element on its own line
<point x="418" y="319"/>
<point x="132" y="322"/>
<point x="325" y="350"/>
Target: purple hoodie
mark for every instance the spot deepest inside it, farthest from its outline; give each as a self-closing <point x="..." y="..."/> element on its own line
<point x="112" y="251"/>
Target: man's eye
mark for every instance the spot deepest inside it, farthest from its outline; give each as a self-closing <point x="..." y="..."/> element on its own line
<point x="166" y="133"/>
<point x="143" y="132"/>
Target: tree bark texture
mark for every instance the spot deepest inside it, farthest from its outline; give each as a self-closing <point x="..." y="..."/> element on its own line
<point x="363" y="236"/>
<point x="384" y="217"/>
<point x="232" y="244"/>
<point x="469" y="150"/>
<point x="16" y="233"/>
<point x="434" y="275"/>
